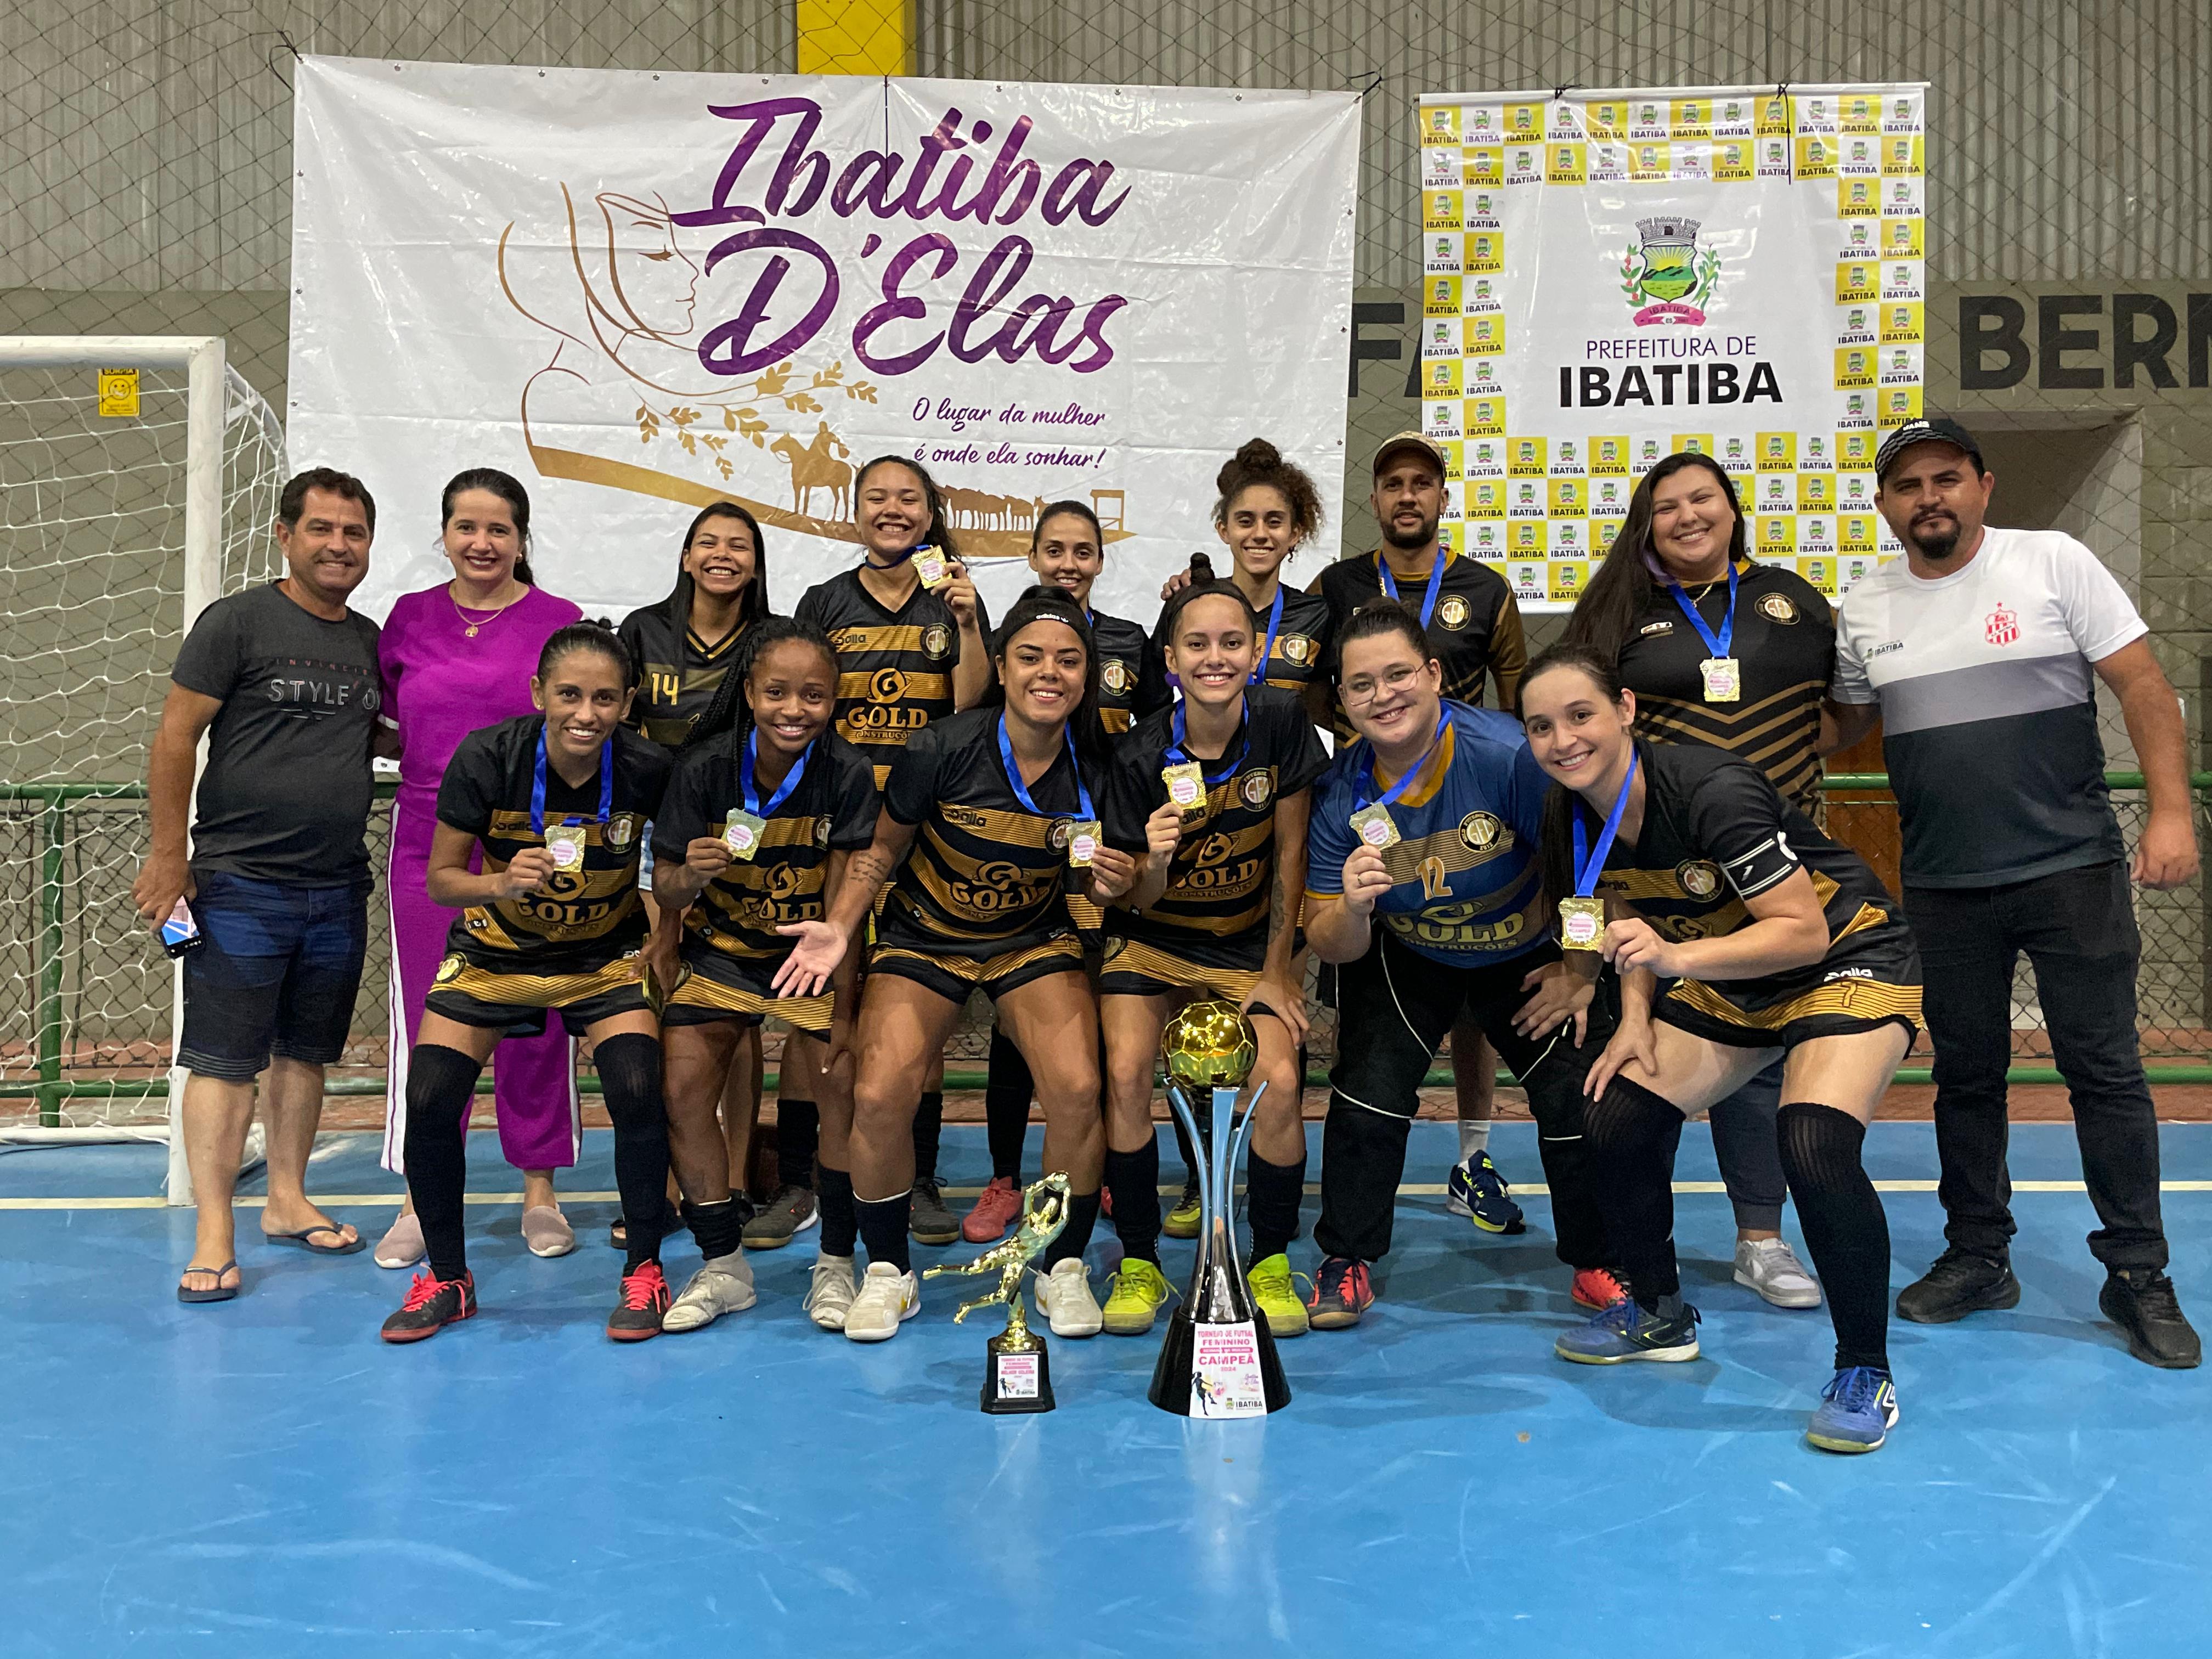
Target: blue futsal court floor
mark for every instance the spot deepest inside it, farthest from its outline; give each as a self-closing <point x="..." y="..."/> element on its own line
<point x="263" y="1477"/>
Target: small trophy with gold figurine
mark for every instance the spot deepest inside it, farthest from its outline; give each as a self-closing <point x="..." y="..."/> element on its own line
<point x="1219" y="1358"/>
<point x="1017" y="1374"/>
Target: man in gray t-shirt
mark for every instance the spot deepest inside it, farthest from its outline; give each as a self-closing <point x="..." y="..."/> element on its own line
<point x="282" y="680"/>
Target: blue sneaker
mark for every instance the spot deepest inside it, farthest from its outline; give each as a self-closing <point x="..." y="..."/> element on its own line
<point x="1857" y="1411"/>
<point x="1479" y="1193"/>
<point x="1625" y="1332"/>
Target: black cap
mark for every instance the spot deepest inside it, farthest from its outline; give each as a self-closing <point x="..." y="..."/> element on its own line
<point x="1937" y="431"/>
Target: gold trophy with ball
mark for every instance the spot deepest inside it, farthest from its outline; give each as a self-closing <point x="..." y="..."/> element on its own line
<point x="1017" y="1369"/>
<point x="1219" y="1359"/>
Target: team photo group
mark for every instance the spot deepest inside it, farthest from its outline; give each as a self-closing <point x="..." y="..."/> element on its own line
<point x="849" y="809"/>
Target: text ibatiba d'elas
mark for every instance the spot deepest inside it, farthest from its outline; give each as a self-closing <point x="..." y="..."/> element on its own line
<point x="1726" y="378"/>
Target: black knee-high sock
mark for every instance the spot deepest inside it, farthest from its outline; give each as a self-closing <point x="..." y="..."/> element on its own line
<point x="1846" y="1227"/>
<point x="1075" y="1238"/>
<point x="720" y="1228"/>
<point x="841" y="1221"/>
<point x="798" y="1137"/>
<point x="928" y="1124"/>
<point x="1134" y="1179"/>
<point x="883" y="1229"/>
<point x="1006" y="1097"/>
<point x="629" y="1077"/>
<point x="441" y="1089"/>
<point x="1632" y="1135"/>
<point x="1272" y="1193"/>
<point x="1183" y="1147"/>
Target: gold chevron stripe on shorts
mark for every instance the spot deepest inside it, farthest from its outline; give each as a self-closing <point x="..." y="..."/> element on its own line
<point x="1854" y="999"/>
<point x="533" y="990"/>
<point x="1135" y="956"/>
<point x="807" y="1013"/>
<point x="970" y="971"/>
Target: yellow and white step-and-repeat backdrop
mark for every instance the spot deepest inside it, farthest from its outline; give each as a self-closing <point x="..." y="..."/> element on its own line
<point x="1608" y="278"/>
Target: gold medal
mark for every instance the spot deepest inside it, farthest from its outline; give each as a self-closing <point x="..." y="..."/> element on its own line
<point x="932" y="566"/>
<point x="1581" y="923"/>
<point x="1373" y="826"/>
<point x="1724" y="679"/>
<point x="742" y="834"/>
<point x="1083" y="840"/>
<point x="1186" y="787"/>
<point x="567" y="846"/>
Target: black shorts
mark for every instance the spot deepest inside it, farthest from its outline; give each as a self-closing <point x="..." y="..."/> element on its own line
<point x="1136" y="968"/>
<point x="726" y="987"/>
<point x="277" y="975"/>
<point x="516" y="1005"/>
<point x="956" y="977"/>
<point x="1870" y="978"/>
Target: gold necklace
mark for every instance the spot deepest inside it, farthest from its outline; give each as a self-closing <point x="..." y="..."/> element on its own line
<point x="472" y="627"/>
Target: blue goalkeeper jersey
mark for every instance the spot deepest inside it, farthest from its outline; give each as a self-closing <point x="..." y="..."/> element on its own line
<point x="1465" y="886"/>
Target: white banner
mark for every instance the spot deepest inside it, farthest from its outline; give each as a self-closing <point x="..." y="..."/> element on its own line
<point x="642" y="293"/>
<point x="1610" y="277"/>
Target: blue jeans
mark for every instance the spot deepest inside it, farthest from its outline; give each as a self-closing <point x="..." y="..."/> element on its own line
<point x="277" y="975"/>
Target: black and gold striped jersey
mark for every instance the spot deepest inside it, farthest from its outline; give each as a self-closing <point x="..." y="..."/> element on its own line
<point x="831" y="809"/>
<point x="1474" y="630"/>
<point x="893" y="668"/>
<point x="1715" y="832"/>
<point x="1784" y="644"/>
<point x="678" y="673"/>
<point x="1221" y="882"/>
<point x="584" y="917"/>
<point x="1133" y="680"/>
<point x="986" y="875"/>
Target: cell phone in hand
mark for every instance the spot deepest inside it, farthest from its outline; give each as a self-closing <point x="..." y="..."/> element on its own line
<point x="181" y="933"/>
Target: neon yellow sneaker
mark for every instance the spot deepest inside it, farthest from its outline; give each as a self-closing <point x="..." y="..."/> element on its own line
<point x="1278" y="1298"/>
<point x="1182" y="1220"/>
<point x="1135" y="1298"/>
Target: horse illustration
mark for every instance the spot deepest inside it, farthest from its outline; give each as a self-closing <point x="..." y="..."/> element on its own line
<point x="814" y="466"/>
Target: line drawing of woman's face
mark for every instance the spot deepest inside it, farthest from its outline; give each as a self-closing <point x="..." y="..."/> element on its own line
<point x="640" y="278"/>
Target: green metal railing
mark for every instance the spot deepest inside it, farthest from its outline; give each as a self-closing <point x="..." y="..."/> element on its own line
<point x="51" y="1089"/>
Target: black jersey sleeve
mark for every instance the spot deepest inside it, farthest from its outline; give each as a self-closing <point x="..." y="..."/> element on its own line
<point x="650" y="768"/>
<point x="911" y="789"/>
<point x="1153" y="692"/>
<point x="1126" y="802"/>
<point x="853" y="811"/>
<point x="1736" y="820"/>
<point x="1304" y="759"/>
<point x="469" y="792"/>
<point x="809" y="609"/>
<point x="688" y="808"/>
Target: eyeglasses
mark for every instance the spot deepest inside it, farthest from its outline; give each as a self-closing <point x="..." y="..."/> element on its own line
<point x="1366" y="691"/>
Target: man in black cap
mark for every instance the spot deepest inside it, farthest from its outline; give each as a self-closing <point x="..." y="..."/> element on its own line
<point x="1977" y="649"/>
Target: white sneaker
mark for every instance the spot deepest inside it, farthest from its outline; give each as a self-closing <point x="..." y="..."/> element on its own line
<point x="1065" y="1302"/>
<point x="829" y="1292"/>
<point x="724" y="1284"/>
<point x="887" y="1299"/>
<point x="1770" y="1267"/>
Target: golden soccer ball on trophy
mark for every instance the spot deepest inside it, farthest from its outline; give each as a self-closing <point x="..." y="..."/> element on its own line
<point x="1209" y="1045"/>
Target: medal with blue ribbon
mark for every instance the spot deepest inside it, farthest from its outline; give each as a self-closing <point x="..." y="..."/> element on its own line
<point x="566" y="840"/>
<point x="1083" y="834"/>
<point x="742" y="832"/>
<point x="1582" y="917"/>
<point x="1372" y="823"/>
<point x="1274" y="626"/>
<point x="1722" y="677"/>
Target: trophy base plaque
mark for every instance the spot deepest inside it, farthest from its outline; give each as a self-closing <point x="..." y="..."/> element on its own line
<point x="1214" y="1369"/>
<point x="1017" y="1379"/>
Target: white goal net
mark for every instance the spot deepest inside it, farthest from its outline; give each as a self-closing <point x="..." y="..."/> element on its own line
<point x="120" y="518"/>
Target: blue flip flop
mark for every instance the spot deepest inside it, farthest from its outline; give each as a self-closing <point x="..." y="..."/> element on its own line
<point x="221" y="1292"/>
<point x="298" y="1241"/>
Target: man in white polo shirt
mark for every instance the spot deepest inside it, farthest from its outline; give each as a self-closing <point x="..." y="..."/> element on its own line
<point x="1976" y="650"/>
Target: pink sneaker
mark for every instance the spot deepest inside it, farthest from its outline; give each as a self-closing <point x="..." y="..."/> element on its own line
<point x="995" y="1205"/>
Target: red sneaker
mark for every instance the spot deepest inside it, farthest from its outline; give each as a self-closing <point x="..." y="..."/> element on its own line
<point x="432" y="1305"/>
<point x="644" y="1299"/>
<point x="1342" y="1291"/>
<point x="1599" y="1288"/>
<point x="996" y="1206"/>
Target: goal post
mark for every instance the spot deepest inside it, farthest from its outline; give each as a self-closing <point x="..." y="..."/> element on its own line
<point x="138" y="477"/>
